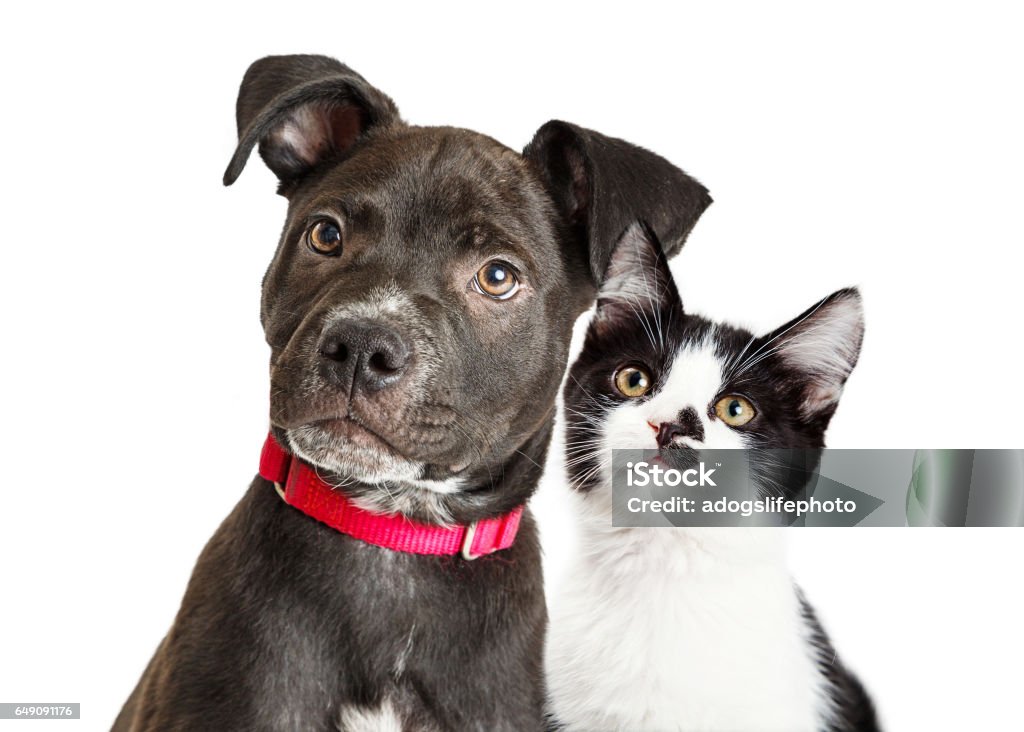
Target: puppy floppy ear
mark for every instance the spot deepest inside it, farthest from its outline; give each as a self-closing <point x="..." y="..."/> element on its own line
<point x="602" y="184"/>
<point x="302" y="110"/>
<point x="822" y="345"/>
<point x="637" y="283"/>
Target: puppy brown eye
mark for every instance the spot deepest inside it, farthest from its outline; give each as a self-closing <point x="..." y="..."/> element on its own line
<point x="324" y="237"/>
<point x="734" y="410"/>
<point x="632" y="381"/>
<point x="497" y="280"/>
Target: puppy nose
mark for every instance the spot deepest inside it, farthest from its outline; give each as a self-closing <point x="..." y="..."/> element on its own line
<point x="367" y="356"/>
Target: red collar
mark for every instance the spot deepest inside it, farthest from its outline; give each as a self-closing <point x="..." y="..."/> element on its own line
<point x="303" y="489"/>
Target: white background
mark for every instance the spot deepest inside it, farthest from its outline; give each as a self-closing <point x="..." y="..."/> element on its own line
<point x="877" y="145"/>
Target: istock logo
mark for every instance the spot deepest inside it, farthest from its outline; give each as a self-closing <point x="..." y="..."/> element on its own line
<point x="643" y="474"/>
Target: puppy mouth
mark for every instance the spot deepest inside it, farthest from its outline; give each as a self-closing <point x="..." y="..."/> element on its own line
<point x="349" y="449"/>
<point x="357" y="434"/>
<point x="356" y="441"/>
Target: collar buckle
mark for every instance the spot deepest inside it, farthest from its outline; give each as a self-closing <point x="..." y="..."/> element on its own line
<point x="467" y="543"/>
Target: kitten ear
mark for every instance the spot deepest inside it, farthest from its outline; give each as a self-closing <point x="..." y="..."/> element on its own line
<point x="823" y="344"/>
<point x="637" y="279"/>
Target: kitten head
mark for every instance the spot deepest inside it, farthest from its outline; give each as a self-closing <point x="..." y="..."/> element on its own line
<point x="652" y="377"/>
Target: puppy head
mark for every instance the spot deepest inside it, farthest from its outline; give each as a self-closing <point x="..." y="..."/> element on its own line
<point x="420" y="304"/>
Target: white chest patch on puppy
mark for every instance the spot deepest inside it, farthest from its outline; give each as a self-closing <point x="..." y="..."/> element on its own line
<point x="361" y="719"/>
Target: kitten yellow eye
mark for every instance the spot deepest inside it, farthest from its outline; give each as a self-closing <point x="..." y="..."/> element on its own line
<point x="632" y="381"/>
<point x="734" y="410"/>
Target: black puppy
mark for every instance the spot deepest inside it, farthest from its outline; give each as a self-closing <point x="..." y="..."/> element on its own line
<point x="419" y="310"/>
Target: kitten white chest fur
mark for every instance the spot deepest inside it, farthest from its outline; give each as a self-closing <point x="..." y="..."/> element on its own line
<point x="676" y="629"/>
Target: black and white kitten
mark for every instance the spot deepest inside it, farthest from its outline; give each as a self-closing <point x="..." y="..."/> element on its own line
<point x="693" y="628"/>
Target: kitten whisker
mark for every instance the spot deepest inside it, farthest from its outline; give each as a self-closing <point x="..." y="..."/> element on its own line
<point x="585" y="392"/>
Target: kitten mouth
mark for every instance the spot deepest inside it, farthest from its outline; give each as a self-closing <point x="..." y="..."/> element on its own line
<point x="682" y="443"/>
<point x="678" y="456"/>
